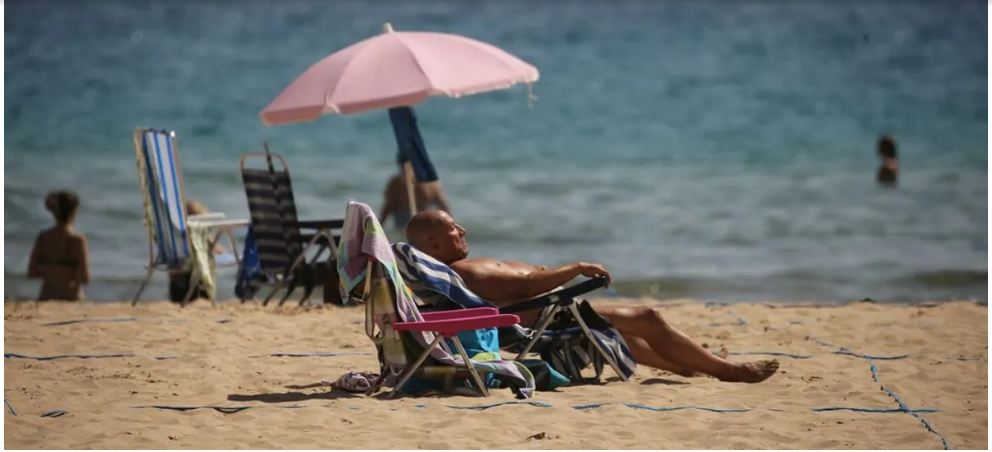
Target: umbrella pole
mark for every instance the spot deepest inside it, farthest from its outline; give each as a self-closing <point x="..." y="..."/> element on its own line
<point x="409" y="178"/>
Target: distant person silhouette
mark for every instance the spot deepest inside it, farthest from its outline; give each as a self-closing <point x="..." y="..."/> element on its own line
<point x="59" y="256"/>
<point x="888" y="171"/>
<point x="396" y="202"/>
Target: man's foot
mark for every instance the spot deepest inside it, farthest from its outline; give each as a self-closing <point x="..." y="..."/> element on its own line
<point x="752" y="372"/>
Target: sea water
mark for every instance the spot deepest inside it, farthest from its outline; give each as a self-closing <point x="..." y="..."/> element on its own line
<point x="723" y="151"/>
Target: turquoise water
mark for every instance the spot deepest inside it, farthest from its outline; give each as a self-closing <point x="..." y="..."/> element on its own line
<point x="721" y="151"/>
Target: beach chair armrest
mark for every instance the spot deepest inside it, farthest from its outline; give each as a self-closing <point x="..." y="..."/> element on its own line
<point x="563" y="295"/>
<point x="459" y="313"/>
<point x="207" y="216"/>
<point x="454" y="326"/>
<point x="321" y="224"/>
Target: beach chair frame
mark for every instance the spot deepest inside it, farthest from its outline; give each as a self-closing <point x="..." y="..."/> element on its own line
<point x="160" y="256"/>
<point x="297" y="244"/>
<point x="563" y="300"/>
<point x="443" y="324"/>
<point x="554" y="302"/>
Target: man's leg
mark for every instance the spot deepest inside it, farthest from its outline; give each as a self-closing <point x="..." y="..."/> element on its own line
<point x="676" y="349"/>
<point x="643" y="354"/>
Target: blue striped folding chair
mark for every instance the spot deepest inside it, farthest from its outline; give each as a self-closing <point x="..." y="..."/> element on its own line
<point x="161" y="180"/>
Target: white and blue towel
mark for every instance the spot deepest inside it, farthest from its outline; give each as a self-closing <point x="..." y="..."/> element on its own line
<point x="432" y="280"/>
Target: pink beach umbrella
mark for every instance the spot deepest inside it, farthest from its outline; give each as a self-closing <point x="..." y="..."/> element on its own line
<point x="396" y="69"/>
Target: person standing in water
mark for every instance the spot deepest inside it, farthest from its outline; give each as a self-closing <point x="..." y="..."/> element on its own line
<point x="396" y="200"/>
<point x="888" y="171"/>
<point x="60" y="256"/>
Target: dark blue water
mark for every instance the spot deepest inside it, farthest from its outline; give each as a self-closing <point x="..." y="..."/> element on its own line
<point x="715" y="150"/>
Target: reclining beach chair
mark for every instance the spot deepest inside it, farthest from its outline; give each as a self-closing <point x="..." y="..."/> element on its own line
<point x="170" y="247"/>
<point x="411" y="343"/>
<point x="288" y="249"/>
<point x="441" y="286"/>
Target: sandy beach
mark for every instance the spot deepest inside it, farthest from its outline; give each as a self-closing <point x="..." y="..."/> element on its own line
<point x="862" y="376"/>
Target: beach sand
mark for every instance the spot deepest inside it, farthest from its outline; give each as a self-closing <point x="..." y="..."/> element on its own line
<point x="221" y="356"/>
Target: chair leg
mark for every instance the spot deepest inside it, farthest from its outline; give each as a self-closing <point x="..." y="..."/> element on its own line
<point x="416" y="365"/>
<point x="471" y="368"/>
<point x="585" y="329"/>
<point x="537" y="333"/>
<point x="272" y="293"/>
<point x="194" y="281"/>
<point x="144" y="283"/>
<point x="289" y="291"/>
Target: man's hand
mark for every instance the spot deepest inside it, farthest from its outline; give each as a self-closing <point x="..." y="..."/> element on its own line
<point x="593" y="270"/>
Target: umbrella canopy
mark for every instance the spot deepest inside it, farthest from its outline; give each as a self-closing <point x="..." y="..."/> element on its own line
<point x="396" y="69"/>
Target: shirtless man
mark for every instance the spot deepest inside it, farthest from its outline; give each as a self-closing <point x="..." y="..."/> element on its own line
<point x="651" y="339"/>
<point x="396" y="202"/>
<point x="59" y="256"/>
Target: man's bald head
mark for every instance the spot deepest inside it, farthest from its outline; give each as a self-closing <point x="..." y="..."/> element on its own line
<point x="436" y="233"/>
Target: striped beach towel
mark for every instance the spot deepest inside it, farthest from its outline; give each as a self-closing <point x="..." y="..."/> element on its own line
<point x="433" y="281"/>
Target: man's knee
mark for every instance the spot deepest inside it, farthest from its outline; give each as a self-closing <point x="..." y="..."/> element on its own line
<point x="649" y="317"/>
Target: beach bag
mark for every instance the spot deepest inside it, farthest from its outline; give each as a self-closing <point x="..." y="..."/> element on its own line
<point x="570" y="354"/>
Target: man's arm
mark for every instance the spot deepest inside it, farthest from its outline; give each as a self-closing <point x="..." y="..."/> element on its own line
<point x="502" y="282"/>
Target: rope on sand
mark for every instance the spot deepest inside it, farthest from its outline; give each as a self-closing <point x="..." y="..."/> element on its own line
<point x="877" y="410"/>
<point x="95" y="319"/>
<point x="902" y="405"/>
<point x="844" y="351"/>
<point x="903" y="408"/>
<point x="787" y="355"/>
<point x="49" y="358"/>
<point x="536" y="403"/>
<point x="114" y="355"/>
<point x="592" y="406"/>
<point x="10" y="407"/>
<point x="221" y="409"/>
<point x="313" y="354"/>
<point x="54" y="413"/>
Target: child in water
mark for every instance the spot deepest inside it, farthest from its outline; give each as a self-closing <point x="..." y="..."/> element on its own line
<point x="59" y="256"/>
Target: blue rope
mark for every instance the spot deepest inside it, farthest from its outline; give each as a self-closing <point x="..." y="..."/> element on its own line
<point x="113" y="319"/>
<point x="877" y="410"/>
<point x="221" y="409"/>
<point x="48" y="358"/>
<point x="536" y="403"/>
<point x="592" y="406"/>
<point x="874" y="375"/>
<point x="844" y="351"/>
<point x="903" y="406"/>
<point x="315" y="354"/>
<point x="54" y="413"/>
<point x="788" y="355"/>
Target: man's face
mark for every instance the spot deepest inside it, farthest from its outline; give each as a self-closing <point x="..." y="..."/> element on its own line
<point x="449" y="244"/>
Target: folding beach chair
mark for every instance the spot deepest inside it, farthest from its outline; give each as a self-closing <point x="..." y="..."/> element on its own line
<point x="441" y="286"/>
<point x="288" y="249"/>
<point x="164" y="200"/>
<point x="411" y="343"/>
